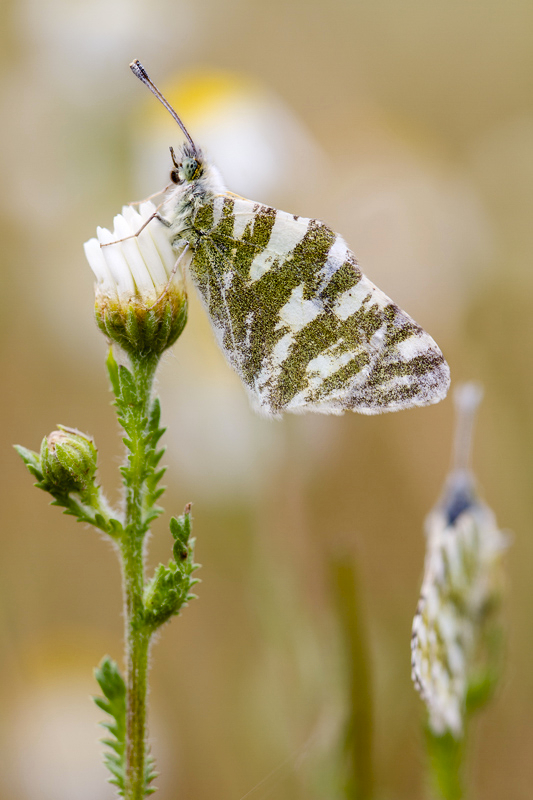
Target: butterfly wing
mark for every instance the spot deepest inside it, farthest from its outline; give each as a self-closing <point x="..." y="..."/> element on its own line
<point x="298" y="320"/>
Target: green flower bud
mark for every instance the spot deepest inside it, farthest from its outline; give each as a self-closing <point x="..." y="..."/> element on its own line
<point x="68" y="460"/>
<point x="141" y="303"/>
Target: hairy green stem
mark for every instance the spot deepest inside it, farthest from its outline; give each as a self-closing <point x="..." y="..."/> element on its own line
<point x="137" y="634"/>
<point x="137" y="644"/>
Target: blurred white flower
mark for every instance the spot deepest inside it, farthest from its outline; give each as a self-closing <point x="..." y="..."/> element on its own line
<point x="461" y="585"/>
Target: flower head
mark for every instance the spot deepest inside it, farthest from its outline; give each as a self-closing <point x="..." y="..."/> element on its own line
<point x="460" y="589"/>
<point x="140" y="297"/>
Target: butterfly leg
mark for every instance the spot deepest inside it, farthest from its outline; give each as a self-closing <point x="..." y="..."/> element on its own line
<point x="155" y="215"/>
<point x="150" y="197"/>
<point x="171" y="277"/>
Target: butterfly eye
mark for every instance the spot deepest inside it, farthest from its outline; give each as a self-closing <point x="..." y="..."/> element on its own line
<point x="190" y="168"/>
<point x="175" y="176"/>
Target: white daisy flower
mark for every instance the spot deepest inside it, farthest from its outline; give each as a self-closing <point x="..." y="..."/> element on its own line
<point x="140" y="298"/>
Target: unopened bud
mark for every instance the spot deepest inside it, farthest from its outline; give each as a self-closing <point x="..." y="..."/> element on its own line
<point x="68" y="460"/>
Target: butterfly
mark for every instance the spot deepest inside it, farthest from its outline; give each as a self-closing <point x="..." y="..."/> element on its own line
<point x="296" y="318"/>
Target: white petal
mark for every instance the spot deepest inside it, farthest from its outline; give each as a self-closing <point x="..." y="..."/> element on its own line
<point x="97" y="263"/>
<point x="159" y="234"/>
<point x="116" y="262"/>
<point x="132" y="253"/>
<point x="146" y="245"/>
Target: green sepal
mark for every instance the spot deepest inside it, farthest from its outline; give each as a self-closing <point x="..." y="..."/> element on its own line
<point x="68" y="462"/>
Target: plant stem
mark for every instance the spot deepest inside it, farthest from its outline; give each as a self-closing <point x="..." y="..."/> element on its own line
<point x="358" y="781"/>
<point x="446" y="756"/>
<point x="137" y="635"/>
<point x="137" y="644"/>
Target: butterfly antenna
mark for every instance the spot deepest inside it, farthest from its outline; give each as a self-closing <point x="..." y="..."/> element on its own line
<point x="140" y="72"/>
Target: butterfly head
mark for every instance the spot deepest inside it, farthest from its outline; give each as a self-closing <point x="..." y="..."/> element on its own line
<point x="188" y="166"/>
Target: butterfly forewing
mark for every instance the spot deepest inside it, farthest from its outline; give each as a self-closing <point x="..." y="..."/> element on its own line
<point x="298" y="320"/>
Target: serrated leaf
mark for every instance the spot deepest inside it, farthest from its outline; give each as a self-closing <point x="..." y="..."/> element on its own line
<point x="158" y="475"/>
<point x="104" y="705"/>
<point x="113" y="703"/>
<point x="155" y="413"/>
<point x="170" y="588"/>
<point x="115" y="527"/>
<point x="154" y="513"/>
<point x="30" y="458"/>
<point x="180" y="527"/>
<point x="33" y="463"/>
<point x="112" y="369"/>
<point x="158" y="456"/>
<point x="128" y="390"/>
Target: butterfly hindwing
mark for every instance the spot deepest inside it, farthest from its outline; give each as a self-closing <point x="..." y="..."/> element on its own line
<point x="298" y="320"/>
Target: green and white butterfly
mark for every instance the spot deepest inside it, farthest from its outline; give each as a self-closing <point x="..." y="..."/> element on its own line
<point x="298" y="321"/>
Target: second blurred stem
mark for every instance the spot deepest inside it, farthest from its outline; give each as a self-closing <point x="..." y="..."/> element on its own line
<point x="357" y="745"/>
<point x="446" y="765"/>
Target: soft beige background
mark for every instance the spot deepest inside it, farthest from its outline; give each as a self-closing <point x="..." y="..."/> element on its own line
<point x="409" y="128"/>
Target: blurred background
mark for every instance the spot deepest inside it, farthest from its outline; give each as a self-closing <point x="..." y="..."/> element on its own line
<point x="408" y="127"/>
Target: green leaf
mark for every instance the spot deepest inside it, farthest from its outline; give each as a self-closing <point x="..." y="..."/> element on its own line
<point x="155" y="414"/>
<point x="180" y="528"/>
<point x="31" y="459"/>
<point x="115" y="527"/>
<point x="113" y="703"/>
<point x="149" y="773"/>
<point x="112" y="369"/>
<point x="170" y="588"/>
<point x="128" y="390"/>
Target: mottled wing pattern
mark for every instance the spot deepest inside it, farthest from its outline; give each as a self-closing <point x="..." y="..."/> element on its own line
<point x="298" y="320"/>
